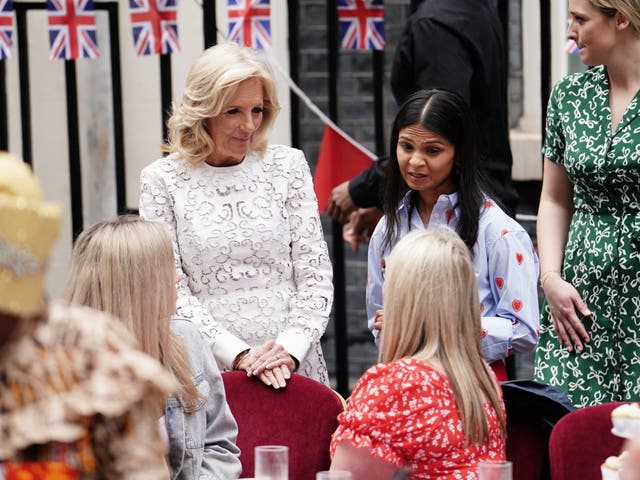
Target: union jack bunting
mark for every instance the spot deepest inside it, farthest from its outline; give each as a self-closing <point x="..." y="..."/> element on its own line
<point x="72" y="29"/>
<point x="249" y="22"/>
<point x="361" y="24"/>
<point x="155" y="26"/>
<point x="571" y="47"/>
<point x="6" y="28"/>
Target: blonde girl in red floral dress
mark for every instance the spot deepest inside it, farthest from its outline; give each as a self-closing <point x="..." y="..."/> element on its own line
<point x="432" y="405"/>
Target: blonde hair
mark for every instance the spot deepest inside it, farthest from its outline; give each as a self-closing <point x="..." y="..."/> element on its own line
<point x="432" y="311"/>
<point x="629" y="9"/>
<point x="125" y="267"/>
<point x="211" y="83"/>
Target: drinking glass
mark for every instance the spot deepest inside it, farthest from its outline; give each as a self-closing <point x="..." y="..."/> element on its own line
<point x="495" y="471"/>
<point x="272" y="462"/>
<point x="334" y="475"/>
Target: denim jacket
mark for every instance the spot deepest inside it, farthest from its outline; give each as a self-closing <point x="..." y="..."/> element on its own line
<point x="202" y="443"/>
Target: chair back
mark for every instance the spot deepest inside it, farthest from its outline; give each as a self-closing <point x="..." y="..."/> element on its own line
<point x="533" y="408"/>
<point x="581" y="441"/>
<point x="302" y="416"/>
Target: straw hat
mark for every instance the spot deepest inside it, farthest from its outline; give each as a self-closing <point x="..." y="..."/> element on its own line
<point x="28" y="229"/>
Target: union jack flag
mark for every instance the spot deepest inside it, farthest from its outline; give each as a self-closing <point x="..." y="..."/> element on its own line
<point x="571" y="47"/>
<point x="155" y="26"/>
<point x="249" y="22"/>
<point x="72" y="29"/>
<point x="6" y="28"/>
<point x="361" y="24"/>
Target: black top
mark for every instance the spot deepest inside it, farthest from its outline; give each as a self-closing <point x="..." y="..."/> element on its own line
<point x="456" y="45"/>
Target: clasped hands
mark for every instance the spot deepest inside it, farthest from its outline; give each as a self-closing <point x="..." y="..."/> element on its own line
<point x="270" y="362"/>
<point x="567" y="312"/>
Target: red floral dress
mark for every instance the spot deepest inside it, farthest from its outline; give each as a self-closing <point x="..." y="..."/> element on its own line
<point x="405" y="412"/>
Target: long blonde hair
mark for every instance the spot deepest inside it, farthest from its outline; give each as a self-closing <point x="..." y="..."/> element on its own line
<point x="211" y="83"/>
<point x="432" y="311"/>
<point x="125" y="267"/>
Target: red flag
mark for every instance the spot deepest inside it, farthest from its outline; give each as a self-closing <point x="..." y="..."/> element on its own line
<point x="339" y="160"/>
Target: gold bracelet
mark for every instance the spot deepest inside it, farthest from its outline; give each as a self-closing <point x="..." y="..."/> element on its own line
<point x="545" y="276"/>
<point x="238" y="360"/>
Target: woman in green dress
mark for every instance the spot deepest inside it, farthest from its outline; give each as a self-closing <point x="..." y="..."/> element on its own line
<point x="589" y="213"/>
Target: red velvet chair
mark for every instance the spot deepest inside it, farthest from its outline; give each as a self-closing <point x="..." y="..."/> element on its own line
<point x="302" y="416"/>
<point x="581" y="441"/>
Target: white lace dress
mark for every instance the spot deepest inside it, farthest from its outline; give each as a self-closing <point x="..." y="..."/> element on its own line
<point x="250" y="253"/>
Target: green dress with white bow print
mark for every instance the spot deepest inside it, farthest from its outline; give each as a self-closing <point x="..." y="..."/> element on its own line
<point x="602" y="255"/>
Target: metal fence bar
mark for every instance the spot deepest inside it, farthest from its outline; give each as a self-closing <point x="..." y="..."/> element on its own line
<point x="75" y="170"/>
<point x="4" y="119"/>
<point x="209" y="22"/>
<point x="545" y="58"/>
<point x="23" y="75"/>
<point x="337" y="244"/>
<point x="294" y="33"/>
<point x="116" y="104"/>
<point x="378" y="100"/>
<point x="166" y="92"/>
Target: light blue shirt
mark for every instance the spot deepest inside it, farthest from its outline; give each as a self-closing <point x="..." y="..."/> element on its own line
<point x="506" y="267"/>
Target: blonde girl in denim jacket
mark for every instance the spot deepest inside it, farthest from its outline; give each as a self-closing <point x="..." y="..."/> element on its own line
<point x="125" y="267"/>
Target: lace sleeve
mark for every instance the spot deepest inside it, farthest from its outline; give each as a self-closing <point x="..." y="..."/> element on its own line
<point x="310" y="306"/>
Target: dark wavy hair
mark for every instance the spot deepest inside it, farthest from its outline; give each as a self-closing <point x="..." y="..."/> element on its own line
<point x="447" y="114"/>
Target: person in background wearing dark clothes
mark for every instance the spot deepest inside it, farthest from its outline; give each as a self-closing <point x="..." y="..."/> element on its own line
<point x="456" y="45"/>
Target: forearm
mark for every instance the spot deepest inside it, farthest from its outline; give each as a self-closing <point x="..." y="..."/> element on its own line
<point x="554" y="217"/>
<point x="552" y="230"/>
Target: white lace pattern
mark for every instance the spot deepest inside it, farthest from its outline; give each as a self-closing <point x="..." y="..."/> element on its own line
<point x="250" y="253"/>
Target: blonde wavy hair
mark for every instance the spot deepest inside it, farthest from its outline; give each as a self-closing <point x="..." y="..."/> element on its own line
<point x="211" y="83"/>
<point x="432" y="311"/>
<point x="629" y="9"/>
<point x="125" y="267"/>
